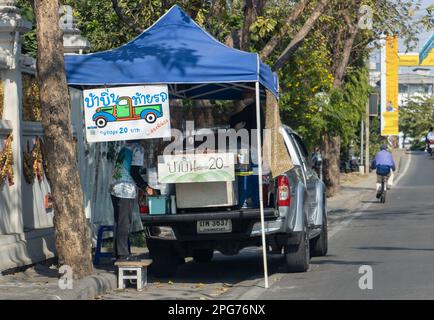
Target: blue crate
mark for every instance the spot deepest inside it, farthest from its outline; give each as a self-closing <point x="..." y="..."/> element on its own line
<point x="158" y="204"/>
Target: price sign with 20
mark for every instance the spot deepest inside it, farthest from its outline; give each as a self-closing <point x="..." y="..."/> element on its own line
<point x="187" y="168"/>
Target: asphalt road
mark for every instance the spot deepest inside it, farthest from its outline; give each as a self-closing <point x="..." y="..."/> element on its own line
<point x="395" y="239"/>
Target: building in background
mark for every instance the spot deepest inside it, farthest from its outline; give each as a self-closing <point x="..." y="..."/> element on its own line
<point x="417" y="84"/>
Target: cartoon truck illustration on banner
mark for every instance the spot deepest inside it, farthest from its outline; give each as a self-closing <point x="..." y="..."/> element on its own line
<point x="124" y="111"/>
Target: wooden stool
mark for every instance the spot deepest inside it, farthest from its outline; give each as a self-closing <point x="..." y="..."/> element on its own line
<point x="140" y="268"/>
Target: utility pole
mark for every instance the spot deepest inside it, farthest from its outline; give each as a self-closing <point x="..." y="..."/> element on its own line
<point x="367" y="160"/>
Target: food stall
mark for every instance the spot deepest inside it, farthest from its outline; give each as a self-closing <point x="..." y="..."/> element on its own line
<point x="127" y="90"/>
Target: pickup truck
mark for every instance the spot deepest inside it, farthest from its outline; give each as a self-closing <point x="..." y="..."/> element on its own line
<point x="295" y="222"/>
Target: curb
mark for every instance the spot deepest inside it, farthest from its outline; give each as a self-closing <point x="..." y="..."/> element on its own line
<point x="86" y="288"/>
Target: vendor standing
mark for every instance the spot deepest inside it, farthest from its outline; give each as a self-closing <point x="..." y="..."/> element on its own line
<point x="126" y="179"/>
<point x="246" y="118"/>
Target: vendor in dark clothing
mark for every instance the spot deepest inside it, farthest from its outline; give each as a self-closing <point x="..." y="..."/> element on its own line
<point x="246" y="118"/>
<point x="126" y="179"/>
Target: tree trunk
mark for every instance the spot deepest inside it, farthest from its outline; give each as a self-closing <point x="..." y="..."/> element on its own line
<point x="71" y="232"/>
<point x="275" y="40"/>
<point x="331" y="165"/>
<point x="233" y="40"/>
<point x="252" y="9"/>
<point x="346" y="52"/>
<point x="202" y="113"/>
<point x="301" y="34"/>
<point x="217" y="8"/>
<point x="332" y="143"/>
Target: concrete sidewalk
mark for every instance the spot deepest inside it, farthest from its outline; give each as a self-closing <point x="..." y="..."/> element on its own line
<point x="41" y="281"/>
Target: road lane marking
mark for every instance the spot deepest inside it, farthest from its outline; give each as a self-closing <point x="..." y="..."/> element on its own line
<point x="401" y="174"/>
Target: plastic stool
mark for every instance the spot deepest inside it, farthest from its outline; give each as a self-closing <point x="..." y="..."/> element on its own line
<point x="99" y="240"/>
<point x="133" y="270"/>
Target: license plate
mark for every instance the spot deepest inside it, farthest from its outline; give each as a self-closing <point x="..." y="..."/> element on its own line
<point x="214" y="226"/>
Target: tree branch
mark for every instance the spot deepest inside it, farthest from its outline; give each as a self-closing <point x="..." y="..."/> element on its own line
<point x="216" y="8"/>
<point x="342" y="63"/>
<point x="125" y="20"/>
<point x="275" y="40"/>
<point x="299" y="37"/>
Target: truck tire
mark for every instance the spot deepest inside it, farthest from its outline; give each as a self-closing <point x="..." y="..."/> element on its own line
<point x="298" y="256"/>
<point x="203" y="255"/>
<point x="319" y="244"/>
<point x="165" y="260"/>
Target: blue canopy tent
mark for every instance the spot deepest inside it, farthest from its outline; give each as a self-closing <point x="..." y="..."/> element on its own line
<point x="176" y="51"/>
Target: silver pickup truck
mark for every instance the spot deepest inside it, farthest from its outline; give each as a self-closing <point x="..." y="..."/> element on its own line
<point x="295" y="222"/>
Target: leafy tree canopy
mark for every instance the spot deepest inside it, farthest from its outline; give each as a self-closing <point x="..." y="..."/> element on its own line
<point x="416" y="118"/>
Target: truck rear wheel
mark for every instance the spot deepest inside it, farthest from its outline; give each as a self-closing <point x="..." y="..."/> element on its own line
<point x="298" y="256"/>
<point x="203" y="255"/>
<point x="165" y="259"/>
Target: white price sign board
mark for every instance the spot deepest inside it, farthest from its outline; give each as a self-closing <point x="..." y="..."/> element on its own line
<point x="127" y="113"/>
<point x="209" y="167"/>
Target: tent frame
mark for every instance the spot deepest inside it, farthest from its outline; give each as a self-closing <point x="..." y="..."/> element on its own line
<point x="261" y="198"/>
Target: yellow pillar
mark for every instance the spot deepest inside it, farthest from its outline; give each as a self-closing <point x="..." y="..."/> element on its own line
<point x="390" y="110"/>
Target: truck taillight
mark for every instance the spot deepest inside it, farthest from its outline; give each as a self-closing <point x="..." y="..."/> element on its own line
<point x="283" y="190"/>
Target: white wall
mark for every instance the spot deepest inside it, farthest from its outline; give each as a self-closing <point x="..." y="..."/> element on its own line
<point x="35" y="216"/>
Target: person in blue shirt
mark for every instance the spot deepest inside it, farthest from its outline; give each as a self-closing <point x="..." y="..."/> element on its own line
<point x="384" y="164"/>
<point x="126" y="178"/>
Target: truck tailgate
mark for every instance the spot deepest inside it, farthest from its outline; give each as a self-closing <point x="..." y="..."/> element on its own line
<point x="269" y="213"/>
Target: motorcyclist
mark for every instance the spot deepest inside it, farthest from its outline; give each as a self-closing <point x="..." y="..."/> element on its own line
<point x="384" y="164"/>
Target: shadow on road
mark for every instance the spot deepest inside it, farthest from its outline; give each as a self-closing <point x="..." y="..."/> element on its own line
<point x="394" y="249"/>
<point x="344" y="262"/>
<point x="229" y="270"/>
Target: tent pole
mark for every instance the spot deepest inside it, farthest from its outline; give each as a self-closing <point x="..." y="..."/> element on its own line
<point x="261" y="199"/>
